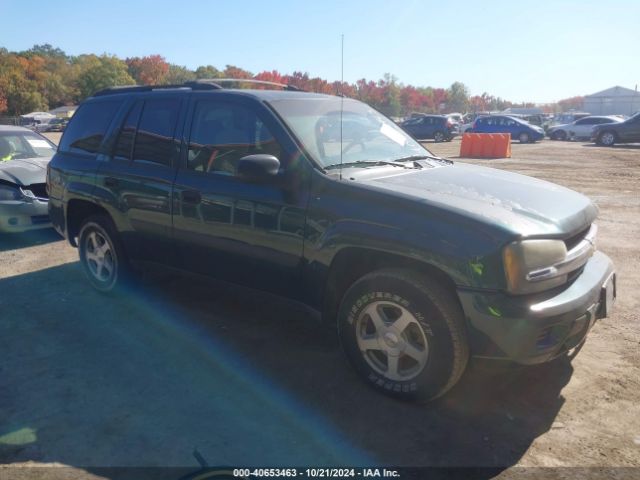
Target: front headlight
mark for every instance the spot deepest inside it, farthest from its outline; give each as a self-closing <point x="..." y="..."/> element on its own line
<point x="525" y="260"/>
<point x="8" y="192"/>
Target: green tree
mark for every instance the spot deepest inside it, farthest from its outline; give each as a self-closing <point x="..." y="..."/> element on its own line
<point x="96" y="73"/>
<point x="457" y="97"/>
<point x="208" y="71"/>
<point x="46" y="50"/>
<point x="178" y="75"/>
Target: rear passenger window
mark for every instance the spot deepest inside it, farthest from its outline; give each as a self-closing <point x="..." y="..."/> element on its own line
<point x="86" y="130"/>
<point x="223" y="133"/>
<point x="154" y="142"/>
<point x="124" y="144"/>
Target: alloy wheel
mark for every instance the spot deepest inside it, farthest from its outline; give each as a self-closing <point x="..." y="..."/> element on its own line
<point x="392" y="341"/>
<point x="99" y="257"/>
<point x="608" y="138"/>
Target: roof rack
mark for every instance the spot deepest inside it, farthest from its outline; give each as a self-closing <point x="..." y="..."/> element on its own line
<point x="201" y="84"/>
<point x="149" y="88"/>
<point x="217" y="81"/>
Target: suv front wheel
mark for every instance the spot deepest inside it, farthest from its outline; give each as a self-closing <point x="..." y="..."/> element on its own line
<point x="101" y="254"/>
<point x="404" y="333"/>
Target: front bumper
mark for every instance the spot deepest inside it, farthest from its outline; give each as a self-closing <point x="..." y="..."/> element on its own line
<point x="537" y="328"/>
<point x="21" y="216"/>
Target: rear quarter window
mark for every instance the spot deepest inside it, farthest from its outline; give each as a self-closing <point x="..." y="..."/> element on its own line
<point x="87" y="128"/>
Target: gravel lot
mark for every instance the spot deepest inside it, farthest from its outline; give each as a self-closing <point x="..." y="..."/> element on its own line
<point x="89" y="380"/>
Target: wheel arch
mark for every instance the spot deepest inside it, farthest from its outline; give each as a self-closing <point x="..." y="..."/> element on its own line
<point x="352" y="263"/>
<point x="77" y="211"/>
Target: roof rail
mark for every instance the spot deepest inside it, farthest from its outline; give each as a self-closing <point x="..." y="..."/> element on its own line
<point x="201" y="84"/>
<point x="217" y="81"/>
<point x="149" y="88"/>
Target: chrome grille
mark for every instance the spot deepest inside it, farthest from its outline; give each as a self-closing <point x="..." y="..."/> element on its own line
<point x="574" y="240"/>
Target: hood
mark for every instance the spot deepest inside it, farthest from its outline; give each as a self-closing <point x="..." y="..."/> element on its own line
<point x="523" y="205"/>
<point x="24" y="171"/>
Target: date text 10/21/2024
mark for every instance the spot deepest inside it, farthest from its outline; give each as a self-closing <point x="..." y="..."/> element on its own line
<point x="317" y="472"/>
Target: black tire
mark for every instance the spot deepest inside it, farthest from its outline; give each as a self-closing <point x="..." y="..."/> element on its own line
<point x="97" y="231"/>
<point x="437" y="318"/>
<point x="439" y="136"/>
<point x="607" y="138"/>
<point x="560" y="135"/>
<point x="524" y="137"/>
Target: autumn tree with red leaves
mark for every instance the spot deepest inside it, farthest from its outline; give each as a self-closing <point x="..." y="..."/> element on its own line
<point x="150" y="70"/>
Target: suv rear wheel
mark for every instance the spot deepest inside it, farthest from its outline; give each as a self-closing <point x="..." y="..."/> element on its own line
<point x="101" y="254"/>
<point x="404" y="333"/>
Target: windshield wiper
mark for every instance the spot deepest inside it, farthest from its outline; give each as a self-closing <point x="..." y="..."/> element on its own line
<point x="365" y="163"/>
<point x="421" y="157"/>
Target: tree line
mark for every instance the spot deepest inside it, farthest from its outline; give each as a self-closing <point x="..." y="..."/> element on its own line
<point x="45" y="77"/>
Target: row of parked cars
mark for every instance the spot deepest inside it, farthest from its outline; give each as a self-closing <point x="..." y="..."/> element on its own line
<point x="603" y="130"/>
<point x="443" y="128"/>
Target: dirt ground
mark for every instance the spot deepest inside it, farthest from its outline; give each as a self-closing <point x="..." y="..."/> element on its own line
<point x="88" y="380"/>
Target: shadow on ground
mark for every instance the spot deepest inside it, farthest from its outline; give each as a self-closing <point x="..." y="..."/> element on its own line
<point x="623" y="146"/>
<point x="13" y="241"/>
<point x="181" y="362"/>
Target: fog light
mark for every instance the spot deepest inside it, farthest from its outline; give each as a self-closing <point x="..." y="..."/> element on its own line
<point x="13" y="221"/>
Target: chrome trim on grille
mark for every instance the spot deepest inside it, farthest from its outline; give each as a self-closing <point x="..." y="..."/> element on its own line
<point x="575" y="258"/>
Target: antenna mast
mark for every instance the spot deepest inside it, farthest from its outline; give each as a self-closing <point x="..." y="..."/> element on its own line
<point x="341" y="95"/>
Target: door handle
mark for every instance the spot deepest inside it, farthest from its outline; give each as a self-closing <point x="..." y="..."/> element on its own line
<point x="111" y="182"/>
<point x="191" y="196"/>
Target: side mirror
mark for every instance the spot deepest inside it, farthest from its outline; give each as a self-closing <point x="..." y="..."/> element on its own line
<point x="259" y="168"/>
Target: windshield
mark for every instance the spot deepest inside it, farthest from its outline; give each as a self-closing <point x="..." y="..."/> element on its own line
<point x="367" y="135"/>
<point x="16" y="145"/>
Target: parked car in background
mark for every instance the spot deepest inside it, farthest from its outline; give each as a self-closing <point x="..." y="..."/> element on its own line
<point x="609" y="134"/>
<point x="456" y="117"/>
<point x="580" y="129"/>
<point x="57" y="125"/>
<point x="566" y="118"/>
<point x="533" y="119"/>
<point x="24" y="156"/>
<point x="467" y="121"/>
<point x="519" y="129"/>
<point x="425" y="127"/>
<point x="416" y="262"/>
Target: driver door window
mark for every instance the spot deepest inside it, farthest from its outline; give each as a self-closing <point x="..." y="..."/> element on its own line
<point x="223" y="133"/>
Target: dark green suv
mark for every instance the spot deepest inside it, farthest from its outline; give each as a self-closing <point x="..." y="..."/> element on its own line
<point x="418" y="262"/>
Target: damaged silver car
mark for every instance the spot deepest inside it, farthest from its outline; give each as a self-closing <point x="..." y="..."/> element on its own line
<point x="24" y="156"/>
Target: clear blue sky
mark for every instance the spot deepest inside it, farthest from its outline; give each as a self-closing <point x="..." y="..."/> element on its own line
<point x="538" y="51"/>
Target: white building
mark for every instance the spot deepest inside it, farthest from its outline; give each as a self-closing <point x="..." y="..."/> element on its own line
<point x="613" y="101"/>
<point x="64" y="112"/>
